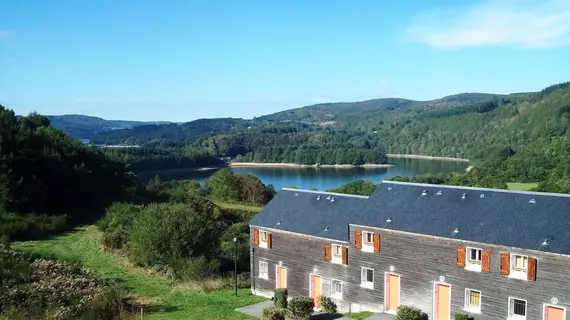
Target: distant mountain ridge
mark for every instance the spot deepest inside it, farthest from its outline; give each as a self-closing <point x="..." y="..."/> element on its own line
<point x="85" y="127"/>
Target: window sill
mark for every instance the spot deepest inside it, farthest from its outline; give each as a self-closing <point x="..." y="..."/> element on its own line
<point x="472" y="310"/>
<point x="337" y="297"/>
<point x="264" y="278"/>
<point x="336" y="260"/>
<point x="473" y="267"/>
<point x="367" y="286"/>
<point x="516" y="317"/>
<point x="520" y="276"/>
<point x="366" y="248"/>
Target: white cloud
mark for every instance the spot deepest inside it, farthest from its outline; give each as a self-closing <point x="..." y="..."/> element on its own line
<point x="528" y="24"/>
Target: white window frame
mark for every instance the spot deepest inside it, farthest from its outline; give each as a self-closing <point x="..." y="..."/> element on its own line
<point x="516" y="316"/>
<point x="263" y="234"/>
<point x="336" y="295"/>
<point x="367" y="246"/>
<point x="473" y="265"/>
<point x="364" y="283"/>
<point x="467" y="304"/>
<point x="334" y="257"/>
<point x="518" y="273"/>
<point x="266" y="275"/>
<point x="544" y="306"/>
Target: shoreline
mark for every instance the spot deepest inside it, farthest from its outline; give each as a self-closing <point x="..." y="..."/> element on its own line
<point x="199" y="169"/>
<point x="295" y="165"/>
<point x="419" y="156"/>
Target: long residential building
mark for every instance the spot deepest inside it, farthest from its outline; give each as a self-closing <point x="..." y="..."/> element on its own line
<point x="493" y="254"/>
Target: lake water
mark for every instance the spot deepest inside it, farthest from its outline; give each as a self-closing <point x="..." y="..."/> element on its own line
<point x="323" y="178"/>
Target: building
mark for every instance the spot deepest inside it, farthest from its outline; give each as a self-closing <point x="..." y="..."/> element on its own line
<point x="493" y="254"/>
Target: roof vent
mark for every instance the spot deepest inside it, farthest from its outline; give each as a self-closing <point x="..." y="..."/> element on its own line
<point x="533" y="200"/>
<point x="482" y="196"/>
<point x="455" y="232"/>
<point x="424" y="193"/>
<point x="279" y="222"/>
<point x="296" y="194"/>
<point x="439" y="193"/>
<point x="329" y="197"/>
<point x="388" y="220"/>
<point x="318" y="197"/>
<point x="327" y="228"/>
<point x="544" y="243"/>
<point x="332" y="199"/>
<point x="463" y="196"/>
<point x="389" y="188"/>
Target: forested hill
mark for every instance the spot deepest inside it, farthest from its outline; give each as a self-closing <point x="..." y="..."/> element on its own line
<point x="84" y="127"/>
<point x="337" y="115"/>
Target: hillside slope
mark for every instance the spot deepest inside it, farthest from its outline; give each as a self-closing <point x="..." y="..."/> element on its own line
<point x="84" y="127"/>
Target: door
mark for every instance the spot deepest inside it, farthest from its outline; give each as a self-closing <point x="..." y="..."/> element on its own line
<point x="392" y="293"/>
<point x="554" y="313"/>
<point x="442" y="300"/>
<point x="281" y="277"/>
<point x="316" y="288"/>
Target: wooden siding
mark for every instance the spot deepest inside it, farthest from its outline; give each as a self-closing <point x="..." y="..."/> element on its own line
<point x="420" y="261"/>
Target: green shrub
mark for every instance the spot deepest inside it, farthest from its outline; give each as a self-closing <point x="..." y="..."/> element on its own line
<point x="327" y="304"/>
<point x="117" y="224"/>
<point x="273" y="313"/>
<point x="462" y="316"/>
<point x="280" y="298"/>
<point x="194" y="268"/>
<point x="301" y="308"/>
<point x="410" y="313"/>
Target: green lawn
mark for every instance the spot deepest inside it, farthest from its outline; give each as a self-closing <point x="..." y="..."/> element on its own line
<point x="227" y="205"/>
<point x="522" y="186"/>
<point x="168" y="300"/>
<point x="359" y="315"/>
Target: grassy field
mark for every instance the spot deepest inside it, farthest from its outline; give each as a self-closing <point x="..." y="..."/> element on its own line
<point x="168" y="300"/>
<point x="229" y="206"/>
<point x="522" y="186"/>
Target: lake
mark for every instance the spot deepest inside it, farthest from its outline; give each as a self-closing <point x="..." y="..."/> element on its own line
<point x="322" y="178"/>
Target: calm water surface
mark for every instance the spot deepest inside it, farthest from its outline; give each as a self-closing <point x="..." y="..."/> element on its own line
<point x="323" y="179"/>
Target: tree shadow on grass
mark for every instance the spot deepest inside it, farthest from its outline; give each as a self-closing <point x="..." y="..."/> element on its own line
<point x="326" y="316"/>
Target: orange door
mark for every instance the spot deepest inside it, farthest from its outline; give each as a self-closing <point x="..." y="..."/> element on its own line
<point x="316" y="288"/>
<point x="392" y="297"/>
<point x="281" y="277"/>
<point x="441" y="302"/>
<point x="553" y="313"/>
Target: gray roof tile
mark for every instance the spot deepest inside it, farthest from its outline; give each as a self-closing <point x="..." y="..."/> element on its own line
<point x="502" y="217"/>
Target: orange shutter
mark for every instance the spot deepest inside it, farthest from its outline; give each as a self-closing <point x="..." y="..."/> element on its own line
<point x="358" y="240"/>
<point x="344" y="255"/>
<point x="256" y="237"/>
<point x="505" y="264"/>
<point x="486" y="261"/>
<point x="269" y="237"/>
<point x="327" y="252"/>
<point x="461" y="257"/>
<point x="376" y="242"/>
<point x="531" y="269"/>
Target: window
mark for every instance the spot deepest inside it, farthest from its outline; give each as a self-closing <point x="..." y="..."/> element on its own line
<point x="520" y="263"/>
<point x="367" y="241"/>
<point x="517" y="308"/>
<point x="263" y="270"/>
<point x="367" y="279"/>
<point x="368" y="238"/>
<point x="472" y="300"/>
<point x="336" y="254"/>
<point x="336" y="289"/>
<point x="474" y="255"/>
<point x="263" y="239"/>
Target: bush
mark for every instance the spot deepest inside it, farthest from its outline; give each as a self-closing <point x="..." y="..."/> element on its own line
<point x="327" y="304"/>
<point x="280" y="298"/>
<point x="462" y="316"/>
<point x="410" y="313"/>
<point x="301" y="308"/>
<point x="273" y="313"/>
<point x="117" y="224"/>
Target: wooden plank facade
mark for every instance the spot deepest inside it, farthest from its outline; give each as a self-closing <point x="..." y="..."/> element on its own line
<point x="414" y="269"/>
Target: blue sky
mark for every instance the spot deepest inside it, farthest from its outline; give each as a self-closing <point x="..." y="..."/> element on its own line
<point x="188" y="59"/>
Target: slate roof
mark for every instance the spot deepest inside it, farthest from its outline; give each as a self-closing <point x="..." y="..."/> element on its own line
<point x="299" y="211"/>
<point x="530" y="220"/>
